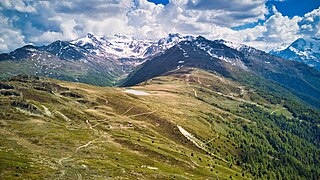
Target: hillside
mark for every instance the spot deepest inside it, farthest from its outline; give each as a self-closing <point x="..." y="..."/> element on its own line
<point x="60" y="60"/>
<point x="305" y="50"/>
<point x="241" y="63"/>
<point x="188" y="124"/>
<point x="96" y="60"/>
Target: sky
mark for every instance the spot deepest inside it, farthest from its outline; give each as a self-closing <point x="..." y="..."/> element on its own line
<point x="263" y="24"/>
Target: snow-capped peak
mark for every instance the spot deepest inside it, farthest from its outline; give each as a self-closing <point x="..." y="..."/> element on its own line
<point x="282" y="47"/>
<point x="174" y="39"/>
<point x="307" y="44"/>
<point x="236" y="46"/>
<point x="122" y="36"/>
<point x="90" y="35"/>
<point x="305" y="50"/>
<point x="216" y="49"/>
<point x="124" y="46"/>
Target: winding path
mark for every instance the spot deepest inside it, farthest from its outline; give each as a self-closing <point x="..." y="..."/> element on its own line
<point x="83" y="146"/>
<point x="277" y="110"/>
<point x="195" y="93"/>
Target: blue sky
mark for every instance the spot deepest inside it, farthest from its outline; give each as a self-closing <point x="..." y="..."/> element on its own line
<point x="164" y="2"/>
<point x="264" y="24"/>
<point x="295" y="7"/>
<point x="288" y="8"/>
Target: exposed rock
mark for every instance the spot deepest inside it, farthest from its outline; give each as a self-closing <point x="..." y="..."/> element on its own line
<point x="25" y="105"/>
<point x="25" y="78"/>
<point x="6" y="86"/>
<point x="9" y="93"/>
<point x="71" y="94"/>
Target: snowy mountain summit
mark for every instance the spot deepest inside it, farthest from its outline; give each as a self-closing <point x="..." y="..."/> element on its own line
<point x="123" y="46"/>
<point x="306" y="50"/>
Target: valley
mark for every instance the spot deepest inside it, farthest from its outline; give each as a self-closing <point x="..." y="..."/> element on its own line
<point x="195" y="108"/>
<point x="157" y="129"/>
<point x="159" y="89"/>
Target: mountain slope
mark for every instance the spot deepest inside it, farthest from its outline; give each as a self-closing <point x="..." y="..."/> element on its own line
<point x="301" y="50"/>
<point x="190" y="124"/>
<point x="98" y="60"/>
<point x="240" y="63"/>
<point x="121" y="46"/>
<point x="60" y="60"/>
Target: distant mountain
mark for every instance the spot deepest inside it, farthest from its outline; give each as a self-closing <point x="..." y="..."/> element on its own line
<point x="60" y="60"/>
<point x="107" y="61"/>
<point x="239" y="62"/>
<point x="209" y="108"/>
<point x="306" y="50"/>
<point x="65" y="50"/>
<point x="98" y="60"/>
<point x="123" y="46"/>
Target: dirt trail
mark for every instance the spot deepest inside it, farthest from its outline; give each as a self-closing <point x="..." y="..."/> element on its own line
<point x="127" y="111"/>
<point x="64" y="159"/>
<point x="211" y="140"/>
<point x="69" y="158"/>
<point x="90" y="125"/>
<point x="195" y="93"/>
<point x="63" y="116"/>
<point x="60" y="162"/>
<point x="100" y="122"/>
<point x="83" y="146"/>
<point x="276" y="110"/>
<point x="199" y="81"/>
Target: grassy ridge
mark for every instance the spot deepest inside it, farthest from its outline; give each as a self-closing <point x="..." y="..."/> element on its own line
<point x="73" y="130"/>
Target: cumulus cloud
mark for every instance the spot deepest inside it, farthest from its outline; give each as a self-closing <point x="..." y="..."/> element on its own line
<point x="18" y="5"/>
<point x="41" y="22"/>
<point x="10" y="37"/>
<point x="276" y="30"/>
<point x="279" y="28"/>
<point x="228" y="13"/>
<point x="310" y="24"/>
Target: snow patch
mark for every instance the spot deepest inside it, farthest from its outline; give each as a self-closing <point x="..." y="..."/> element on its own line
<point x="47" y="111"/>
<point x="123" y="46"/>
<point x="136" y="92"/>
<point x="189" y="137"/>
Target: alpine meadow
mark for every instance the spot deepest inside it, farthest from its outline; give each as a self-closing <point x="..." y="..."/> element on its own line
<point x="160" y="89"/>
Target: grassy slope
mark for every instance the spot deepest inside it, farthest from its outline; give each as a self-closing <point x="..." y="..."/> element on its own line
<point x="74" y="71"/>
<point x="104" y="132"/>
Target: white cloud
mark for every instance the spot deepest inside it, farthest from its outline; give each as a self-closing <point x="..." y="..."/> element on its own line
<point x="41" y="22"/>
<point x="281" y="28"/>
<point x="18" y="5"/>
<point x="229" y="13"/>
<point x="310" y="24"/>
<point x="10" y="37"/>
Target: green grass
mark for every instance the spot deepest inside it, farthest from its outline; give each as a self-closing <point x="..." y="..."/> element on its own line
<point x="112" y="134"/>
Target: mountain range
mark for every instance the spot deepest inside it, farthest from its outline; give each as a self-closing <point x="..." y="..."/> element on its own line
<point x="126" y="61"/>
<point x="306" y="50"/>
<point x="184" y="108"/>
<point x="97" y="60"/>
<point x="238" y="62"/>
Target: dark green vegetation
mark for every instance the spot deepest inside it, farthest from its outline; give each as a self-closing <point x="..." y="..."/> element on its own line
<point x="60" y="60"/>
<point x="202" y="110"/>
<point x="192" y="125"/>
<point x="245" y="65"/>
